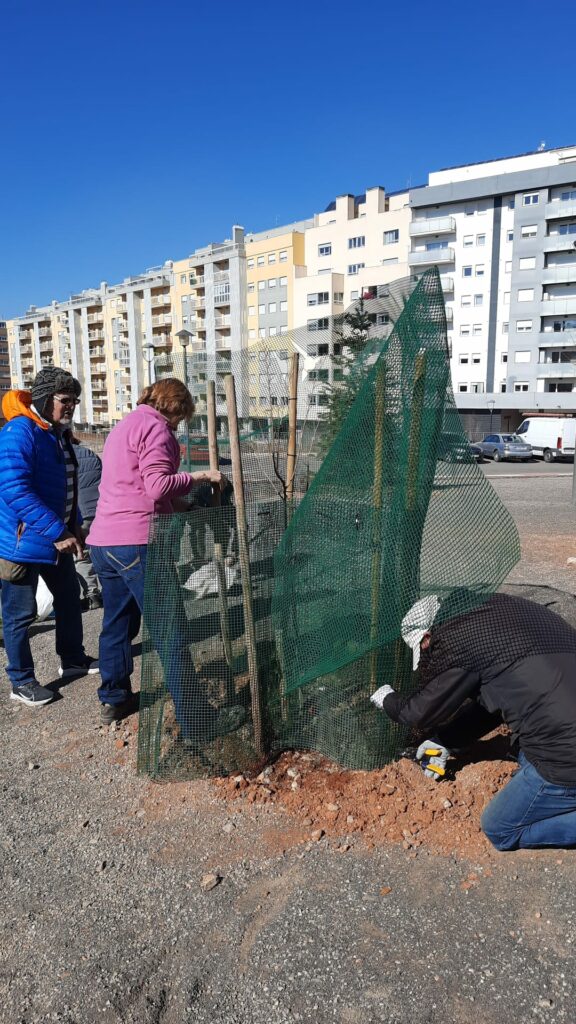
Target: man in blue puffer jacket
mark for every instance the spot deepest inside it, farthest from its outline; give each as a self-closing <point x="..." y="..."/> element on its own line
<point x="40" y="532"/>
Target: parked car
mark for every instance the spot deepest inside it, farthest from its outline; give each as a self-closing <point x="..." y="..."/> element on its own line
<point x="552" y="437"/>
<point x="453" y="447"/>
<point x="476" y="452"/>
<point x="505" y="446"/>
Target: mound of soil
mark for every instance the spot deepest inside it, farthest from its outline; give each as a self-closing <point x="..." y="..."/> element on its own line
<point x="396" y="804"/>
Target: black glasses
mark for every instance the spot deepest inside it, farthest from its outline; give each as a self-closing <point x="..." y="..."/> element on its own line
<point x="67" y="399"/>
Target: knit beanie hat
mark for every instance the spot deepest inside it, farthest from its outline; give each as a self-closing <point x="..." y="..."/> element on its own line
<point x="48" y="382"/>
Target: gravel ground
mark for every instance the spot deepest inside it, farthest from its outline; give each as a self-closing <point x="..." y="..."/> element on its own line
<point x="104" y="918"/>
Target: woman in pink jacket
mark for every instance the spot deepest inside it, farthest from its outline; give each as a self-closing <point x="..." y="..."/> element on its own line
<point x="140" y="478"/>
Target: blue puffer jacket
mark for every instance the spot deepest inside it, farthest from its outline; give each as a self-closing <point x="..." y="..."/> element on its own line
<point x="32" y="488"/>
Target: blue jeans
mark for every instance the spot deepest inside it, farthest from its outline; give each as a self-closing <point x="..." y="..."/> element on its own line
<point x="121" y="571"/>
<point x="19" y="612"/>
<point x="531" y="812"/>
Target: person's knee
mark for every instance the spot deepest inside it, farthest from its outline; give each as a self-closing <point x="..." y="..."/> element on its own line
<point x="502" y="839"/>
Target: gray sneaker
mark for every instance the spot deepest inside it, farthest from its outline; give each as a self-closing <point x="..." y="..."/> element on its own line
<point x="32" y="694"/>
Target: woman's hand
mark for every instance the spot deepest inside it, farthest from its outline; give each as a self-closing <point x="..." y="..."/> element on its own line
<point x="211" y="476"/>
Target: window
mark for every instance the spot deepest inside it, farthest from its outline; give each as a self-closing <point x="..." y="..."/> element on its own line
<point x="284" y="329"/>
<point x="250" y="287"/>
<point x="503" y="386"/>
<point x="478" y="300"/>
<point x="527" y="263"/>
<point x="508" y="267"/>
<point x="339" y="298"/>
<point x="511" y="204"/>
<point x="480" y="239"/>
<point x="389" y="262"/>
<point x="260" y="261"/>
<point x="391" y="237"/>
<point x="520" y="386"/>
<point x="283" y="282"/>
<point x="567" y="229"/>
<point x="262" y="309"/>
<point x="529" y="230"/>
<point x="271" y="257"/>
<point x="504" y="357"/>
<point x="283" y="354"/>
<point x="464" y="330"/>
<point x="353" y="268"/>
<point x="523" y="325"/>
<point x="183" y="278"/>
<point x="251" y="310"/>
<point x="357" y="242"/>
<point x="522" y="357"/>
<point x="466" y="300"/>
<point x="318" y="325"/>
<point x="477" y="329"/>
<point x="252" y="334"/>
<point x="262" y="332"/>
<point x="250" y="263"/>
<point x="325" y="249"/>
<point x="464" y="359"/>
<point x="353" y="296"/>
<point x="466" y="271"/>
<point x="566" y="196"/>
<point x="469" y="211"/>
<point x="467" y="241"/>
<point x="283" y="255"/>
<point x="462" y="387"/>
<point x="271" y="282"/>
<point x="382" y="318"/>
<point x="505" y="328"/>
<point x="525" y="295"/>
<point x="479" y="271"/>
<point x="261" y="286"/>
<point x="273" y="331"/>
<point x="318" y="375"/>
<point x="284" y="307"/>
<point x="272" y="307"/>
<point x="476" y="358"/>
<point x="530" y="199"/>
<point x="509" y="236"/>
<point x="477" y="388"/>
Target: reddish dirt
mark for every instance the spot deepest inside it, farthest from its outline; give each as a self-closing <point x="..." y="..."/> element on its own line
<point x="397" y="804"/>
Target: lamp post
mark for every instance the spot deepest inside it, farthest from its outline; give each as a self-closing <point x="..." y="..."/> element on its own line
<point x="490" y="403"/>
<point x="185" y="337"/>
<point x="149" y="353"/>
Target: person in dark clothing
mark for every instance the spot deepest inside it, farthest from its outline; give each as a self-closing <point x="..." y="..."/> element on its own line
<point x="89" y="475"/>
<point x="507" y="660"/>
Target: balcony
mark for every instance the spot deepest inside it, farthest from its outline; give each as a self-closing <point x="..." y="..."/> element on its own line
<point x="449" y="315"/>
<point x="95" y="318"/>
<point x="45" y="332"/>
<point x="196" y="282"/>
<point x="222" y="321"/>
<point x="162" y="320"/>
<point x="45" y="346"/>
<point x="557" y="370"/>
<point x="431" y="257"/>
<point x="556" y="339"/>
<point x="558" y="210"/>
<point x="121" y="307"/>
<point x="559" y="243"/>
<point x="447" y="285"/>
<point x="221" y="276"/>
<point x="25" y="335"/>
<point x="222" y="298"/>
<point x="162" y="340"/>
<point x="432" y="226"/>
<point x="122" y="325"/>
<point x="96" y="335"/>
<point x="223" y="344"/>
<point x="161" y="300"/>
<point x="558" y="307"/>
<point x="97" y="353"/>
<point x="564" y="274"/>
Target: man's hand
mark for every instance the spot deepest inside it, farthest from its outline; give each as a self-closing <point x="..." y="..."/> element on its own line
<point x="68" y="544"/>
<point x="434" y="758"/>
<point x="378" y="696"/>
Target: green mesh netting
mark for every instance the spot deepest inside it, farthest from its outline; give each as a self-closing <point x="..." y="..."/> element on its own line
<point x="395" y="510"/>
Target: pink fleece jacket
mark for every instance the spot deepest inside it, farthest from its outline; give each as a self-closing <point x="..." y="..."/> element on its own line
<point x="139" y="478"/>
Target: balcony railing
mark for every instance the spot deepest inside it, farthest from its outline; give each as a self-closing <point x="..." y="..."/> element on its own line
<point x="160" y="321"/>
<point x="197" y="282"/>
<point x="223" y="344"/>
<point x="95" y="318"/>
<point x="431" y="256"/>
<point x="97" y="353"/>
<point x="121" y="307"/>
<point x="45" y="332"/>
<point x="162" y="340"/>
<point x="432" y="226"/>
<point x="25" y="335"/>
<point x="557" y="210"/>
<point x="558" y="307"/>
<point x="557" y="370"/>
<point x="161" y="300"/>
<point x="221" y="276"/>
<point x="563" y="274"/>
<point x="222" y="321"/>
<point x="559" y="243"/>
<point x="222" y="298"/>
<point x="95" y="335"/>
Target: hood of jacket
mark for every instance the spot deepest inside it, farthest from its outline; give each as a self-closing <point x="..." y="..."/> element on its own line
<point x="19" y="403"/>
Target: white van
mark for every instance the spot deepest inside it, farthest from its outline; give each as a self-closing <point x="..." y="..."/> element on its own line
<point x="550" y="436"/>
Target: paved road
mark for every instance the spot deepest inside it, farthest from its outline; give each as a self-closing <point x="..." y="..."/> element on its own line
<point x="537" y="467"/>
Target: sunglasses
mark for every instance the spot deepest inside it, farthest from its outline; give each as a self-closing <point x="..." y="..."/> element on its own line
<point x="67" y="399"/>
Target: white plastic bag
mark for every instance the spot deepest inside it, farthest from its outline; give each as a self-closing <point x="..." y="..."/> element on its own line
<point x="44" y="601"/>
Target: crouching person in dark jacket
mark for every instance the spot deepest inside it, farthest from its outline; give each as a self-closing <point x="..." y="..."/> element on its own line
<point x="509" y="660"/>
<point x="89" y="476"/>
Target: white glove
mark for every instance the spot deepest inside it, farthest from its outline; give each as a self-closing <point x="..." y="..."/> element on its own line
<point x="378" y="696"/>
<point x="434" y="758"/>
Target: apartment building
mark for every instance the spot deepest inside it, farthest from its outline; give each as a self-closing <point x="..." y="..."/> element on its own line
<point x="504" y="233"/>
<point x="4" y="360"/>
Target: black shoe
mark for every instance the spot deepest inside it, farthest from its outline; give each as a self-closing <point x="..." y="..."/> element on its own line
<point x="116" y="712"/>
<point x="94" y="601"/>
<point x="32" y="694"/>
<point x="84" y="666"/>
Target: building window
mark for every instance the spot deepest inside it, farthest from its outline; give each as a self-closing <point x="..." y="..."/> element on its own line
<point x="477" y="329"/>
<point x="261" y="286"/>
<point x="251" y="310"/>
<point x="318" y="298"/>
<point x="505" y="328"/>
<point x="511" y="204"/>
<point x="357" y="243"/>
<point x="284" y="329"/>
<point x="509" y="236"/>
<point x="530" y="199"/>
<point x="271" y="282"/>
<point x="523" y="325"/>
<point x="252" y="334"/>
<point x="567" y="229"/>
<point x="504" y="357"/>
<point x="466" y="271"/>
<point x="525" y="295"/>
<point x="283" y="255"/>
<point x="260" y="261"/>
<point x="476" y="358"/>
<point x="271" y="257"/>
<point x="262" y="309"/>
<point x="520" y="386"/>
<point x="382" y="318"/>
<point x="477" y="388"/>
<point x="325" y="249"/>
<point x="271" y="307"/>
<point x="284" y="307"/>
<point x="479" y="271"/>
<point x="391" y="237"/>
<point x="462" y="387"/>
<point x="273" y="331"/>
<point x="522" y="357"/>
<point x="566" y="196"/>
<point x="353" y="268"/>
<point x="480" y="239"/>
<point x="183" y="278"/>
<point x="463" y="359"/>
<point x="529" y="230"/>
<point x="283" y="282"/>
<point x="527" y="263"/>
<point x="466" y="300"/>
<point x="339" y="298"/>
<point x="464" y="330"/>
<point x="467" y="241"/>
<point x="262" y="332"/>
<point x="478" y="300"/>
<point x="318" y="325"/>
<point x="503" y="386"/>
<point x="251" y="287"/>
<point x="469" y="211"/>
<point x="250" y="263"/>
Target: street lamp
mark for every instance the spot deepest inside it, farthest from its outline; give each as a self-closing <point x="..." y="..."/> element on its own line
<point x="490" y="403"/>
<point x="185" y="338"/>
<point x="148" y="352"/>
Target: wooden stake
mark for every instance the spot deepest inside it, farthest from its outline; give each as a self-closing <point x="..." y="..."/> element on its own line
<point x="379" y="414"/>
<point x="218" y="552"/>
<point x="256" y="698"/>
<point x="292" y="419"/>
<point x="418" y="393"/>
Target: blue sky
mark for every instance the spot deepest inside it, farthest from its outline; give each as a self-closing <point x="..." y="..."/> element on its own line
<point x="134" y="132"/>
